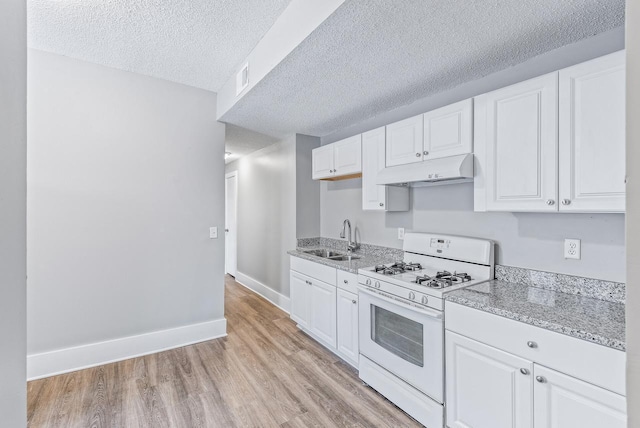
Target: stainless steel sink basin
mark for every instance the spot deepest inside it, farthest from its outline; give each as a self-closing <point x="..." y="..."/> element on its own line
<point x="324" y="253"/>
<point x="344" y="258"/>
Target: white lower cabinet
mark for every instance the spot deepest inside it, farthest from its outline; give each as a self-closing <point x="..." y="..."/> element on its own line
<point x="347" y="308"/>
<point x="322" y="321"/>
<point x="299" y="286"/>
<point x="486" y="387"/>
<point x="562" y="401"/>
<point x="324" y="304"/>
<point x="502" y="373"/>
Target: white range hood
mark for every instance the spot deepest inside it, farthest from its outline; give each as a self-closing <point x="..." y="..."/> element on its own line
<point x="452" y="169"/>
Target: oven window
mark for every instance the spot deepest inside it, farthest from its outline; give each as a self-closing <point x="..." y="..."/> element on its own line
<point x="399" y="335"/>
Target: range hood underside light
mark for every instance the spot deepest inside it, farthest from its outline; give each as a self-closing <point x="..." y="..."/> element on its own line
<point x="448" y="170"/>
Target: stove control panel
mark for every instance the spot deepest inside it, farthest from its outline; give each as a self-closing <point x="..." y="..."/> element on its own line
<point x="416" y="298"/>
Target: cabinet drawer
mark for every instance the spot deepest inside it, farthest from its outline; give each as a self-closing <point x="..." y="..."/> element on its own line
<point x="347" y="281"/>
<point x="590" y="362"/>
<point x="314" y="270"/>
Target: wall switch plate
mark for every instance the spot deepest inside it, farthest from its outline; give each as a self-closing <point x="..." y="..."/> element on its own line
<point x="401" y="233"/>
<point x="572" y="249"/>
<point x="213" y="232"/>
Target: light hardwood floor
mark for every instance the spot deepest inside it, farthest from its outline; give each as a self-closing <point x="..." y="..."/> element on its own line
<point x="266" y="373"/>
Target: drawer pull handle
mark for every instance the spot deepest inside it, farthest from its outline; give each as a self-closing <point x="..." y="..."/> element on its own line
<point x="541" y="379"/>
<point x="524" y="371"/>
<point x="531" y="344"/>
<point x="346" y="282"/>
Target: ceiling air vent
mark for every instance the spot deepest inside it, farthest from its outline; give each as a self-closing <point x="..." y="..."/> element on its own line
<point x="242" y="79"/>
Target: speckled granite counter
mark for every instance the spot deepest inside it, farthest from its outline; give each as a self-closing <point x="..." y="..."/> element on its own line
<point x="586" y="318"/>
<point x="371" y="255"/>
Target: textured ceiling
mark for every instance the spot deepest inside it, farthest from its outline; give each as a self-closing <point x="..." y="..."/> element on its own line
<point x="196" y="42"/>
<point x="372" y="56"/>
<point x="240" y="142"/>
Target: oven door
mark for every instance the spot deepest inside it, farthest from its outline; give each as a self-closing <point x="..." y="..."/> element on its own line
<point x="403" y="339"/>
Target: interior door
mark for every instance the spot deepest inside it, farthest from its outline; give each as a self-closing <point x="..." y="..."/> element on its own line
<point x="486" y="387"/>
<point x="231" y="222"/>
<point x="592" y="135"/>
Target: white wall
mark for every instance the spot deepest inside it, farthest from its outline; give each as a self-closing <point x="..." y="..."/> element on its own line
<point x="13" y="139"/>
<point x="125" y="176"/>
<point x="273" y="207"/>
<point x="633" y="212"/>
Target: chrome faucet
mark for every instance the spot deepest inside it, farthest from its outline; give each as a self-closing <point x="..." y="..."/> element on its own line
<point x="351" y="245"/>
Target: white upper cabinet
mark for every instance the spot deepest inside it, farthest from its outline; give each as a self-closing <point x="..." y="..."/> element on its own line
<point x="322" y="159"/>
<point x="404" y="141"/>
<point x="555" y="143"/>
<point x="592" y="135"/>
<point x="448" y="131"/>
<point x="342" y="159"/>
<point x="564" y="401"/>
<point x="375" y="197"/>
<point x="517" y="145"/>
<point x="347" y="156"/>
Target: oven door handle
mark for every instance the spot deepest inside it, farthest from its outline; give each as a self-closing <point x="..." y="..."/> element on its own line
<point x="424" y="311"/>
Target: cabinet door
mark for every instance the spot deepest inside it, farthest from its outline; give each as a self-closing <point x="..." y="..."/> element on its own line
<point x="347" y="156"/>
<point x="347" y="308"/>
<point x="322" y="301"/>
<point x="322" y="160"/>
<point x="486" y="387"/>
<point x="592" y="135"/>
<point x="404" y="141"/>
<point x="300" y="289"/>
<point x="448" y="131"/>
<point x="562" y="401"/>
<point x="373" y="145"/>
<point x="521" y="151"/>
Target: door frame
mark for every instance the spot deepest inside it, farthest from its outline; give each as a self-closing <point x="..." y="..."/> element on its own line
<point x="226" y="196"/>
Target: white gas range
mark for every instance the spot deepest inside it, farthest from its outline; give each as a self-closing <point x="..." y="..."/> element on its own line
<point x="401" y="318"/>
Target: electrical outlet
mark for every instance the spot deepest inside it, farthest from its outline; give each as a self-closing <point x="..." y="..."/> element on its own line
<point x="572" y="249"/>
<point x="401" y="233"/>
<point x="213" y="232"/>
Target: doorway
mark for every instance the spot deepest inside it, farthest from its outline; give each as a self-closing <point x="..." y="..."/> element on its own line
<point x="231" y="222"/>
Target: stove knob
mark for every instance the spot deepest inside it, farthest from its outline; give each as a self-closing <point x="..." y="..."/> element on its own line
<point x="377" y="284"/>
<point x="368" y="282"/>
<point x="412" y="295"/>
<point x="425" y="300"/>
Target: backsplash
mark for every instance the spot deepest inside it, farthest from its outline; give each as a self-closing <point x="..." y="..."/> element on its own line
<point x="341" y="245"/>
<point x="588" y="287"/>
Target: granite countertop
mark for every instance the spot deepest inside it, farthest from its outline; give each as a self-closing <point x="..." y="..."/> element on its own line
<point x="366" y="260"/>
<point x="586" y="318"/>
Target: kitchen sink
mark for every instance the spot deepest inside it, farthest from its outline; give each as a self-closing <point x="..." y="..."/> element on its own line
<point x="324" y="253"/>
<point x="344" y="258"/>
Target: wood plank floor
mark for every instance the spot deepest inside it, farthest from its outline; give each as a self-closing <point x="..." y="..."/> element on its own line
<point x="266" y="373"/>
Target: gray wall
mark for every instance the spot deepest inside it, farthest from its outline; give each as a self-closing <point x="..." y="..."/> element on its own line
<point x="125" y="176"/>
<point x="633" y="212"/>
<point x="524" y="239"/>
<point x="13" y="149"/>
<point x="307" y="189"/>
<point x="277" y="202"/>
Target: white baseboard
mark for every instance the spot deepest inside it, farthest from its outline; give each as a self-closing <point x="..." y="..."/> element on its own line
<point x="280" y="300"/>
<point x="94" y="354"/>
